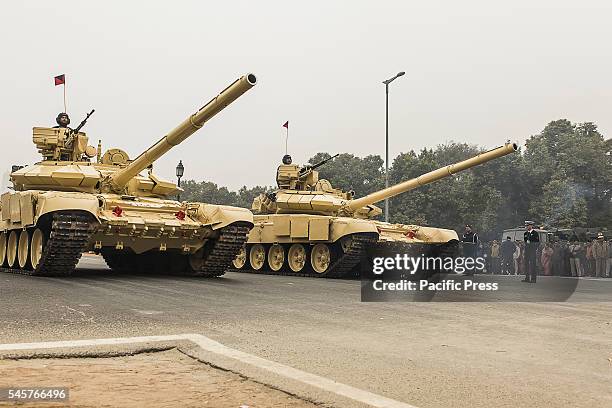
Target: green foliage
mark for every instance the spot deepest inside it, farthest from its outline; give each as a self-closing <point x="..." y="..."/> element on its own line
<point x="208" y="192"/>
<point x="562" y="179"/>
<point x="348" y="172"/>
<point x="571" y="161"/>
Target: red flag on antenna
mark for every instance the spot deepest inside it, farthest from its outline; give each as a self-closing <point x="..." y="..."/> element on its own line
<point x="286" y="125"/>
<point x="60" y="79"/>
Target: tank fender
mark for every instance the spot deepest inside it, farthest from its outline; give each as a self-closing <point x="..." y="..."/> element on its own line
<point x="219" y="216"/>
<point x="342" y="227"/>
<point x="51" y="201"/>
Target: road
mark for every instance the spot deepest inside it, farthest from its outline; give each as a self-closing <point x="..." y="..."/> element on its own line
<point x="429" y="354"/>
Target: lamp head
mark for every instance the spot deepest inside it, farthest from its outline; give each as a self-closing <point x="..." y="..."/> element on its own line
<point x="180" y="169"/>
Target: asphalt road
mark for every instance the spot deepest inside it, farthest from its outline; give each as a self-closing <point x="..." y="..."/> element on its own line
<point x="429" y="354"/>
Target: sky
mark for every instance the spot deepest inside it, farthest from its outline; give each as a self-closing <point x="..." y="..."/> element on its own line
<point x="480" y="72"/>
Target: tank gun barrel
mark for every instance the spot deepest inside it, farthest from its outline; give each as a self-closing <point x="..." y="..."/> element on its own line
<point x="432" y="176"/>
<point x="83" y="122"/>
<point x="188" y="127"/>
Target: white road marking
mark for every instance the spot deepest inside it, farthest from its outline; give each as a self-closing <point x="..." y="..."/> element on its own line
<point x="147" y="312"/>
<point x="212" y="346"/>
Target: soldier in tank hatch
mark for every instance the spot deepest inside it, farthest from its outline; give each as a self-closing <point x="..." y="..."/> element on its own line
<point x="62" y="120"/>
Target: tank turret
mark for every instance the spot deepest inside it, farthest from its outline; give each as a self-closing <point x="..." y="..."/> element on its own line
<point x="302" y="191"/>
<point x="293" y="177"/>
<point x="67" y="165"/>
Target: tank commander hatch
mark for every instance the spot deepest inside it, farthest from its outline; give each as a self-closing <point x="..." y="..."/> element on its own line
<point x="62" y="120"/>
<point x="287" y="173"/>
<point x="293" y="177"/>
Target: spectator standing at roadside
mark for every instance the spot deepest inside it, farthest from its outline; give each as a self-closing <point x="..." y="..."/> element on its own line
<point x="518" y="258"/>
<point x="584" y="266"/>
<point x="557" y="258"/>
<point x="600" y="254"/>
<point x="575" y="266"/>
<point x="546" y="259"/>
<point x="590" y="259"/>
<point x="507" y="249"/>
<point x="495" y="257"/>
<point x="566" y="260"/>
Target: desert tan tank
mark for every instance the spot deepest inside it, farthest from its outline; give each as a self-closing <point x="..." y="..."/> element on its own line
<point x="66" y="205"/>
<point x="307" y="227"/>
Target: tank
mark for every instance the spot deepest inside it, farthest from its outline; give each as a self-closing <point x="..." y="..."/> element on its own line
<point x="309" y="228"/>
<point x="67" y="204"/>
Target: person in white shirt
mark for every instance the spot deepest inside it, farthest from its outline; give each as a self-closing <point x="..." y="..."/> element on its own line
<point x="517" y="259"/>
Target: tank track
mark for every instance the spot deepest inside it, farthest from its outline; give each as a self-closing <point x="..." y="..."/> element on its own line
<point x="441" y="250"/>
<point x="225" y="248"/>
<point x="343" y="267"/>
<point x="68" y="239"/>
<point x="218" y="256"/>
<point x="119" y="263"/>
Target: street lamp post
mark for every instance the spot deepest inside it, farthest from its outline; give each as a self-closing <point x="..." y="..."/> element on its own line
<point x="387" y="82"/>
<point x="180" y="170"/>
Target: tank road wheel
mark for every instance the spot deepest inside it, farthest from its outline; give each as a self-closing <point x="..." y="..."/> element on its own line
<point x="240" y="259"/>
<point x="346" y="243"/>
<point x="23" y="250"/>
<point x="276" y="257"/>
<point x="2" y="248"/>
<point x="320" y="258"/>
<point x="296" y="257"/>
<point x="11" y="249"/>
<point x="36" y="247"/>
<point x="257" y="256"/>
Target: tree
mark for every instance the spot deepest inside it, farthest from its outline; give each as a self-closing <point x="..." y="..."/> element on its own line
<point x="577" y="157"/>
<point x="207" y="192"/>
<point x="347" y="172"/>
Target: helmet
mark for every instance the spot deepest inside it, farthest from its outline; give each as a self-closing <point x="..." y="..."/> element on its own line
<point x="286" y="159"/>
<point x="60" y="115"/>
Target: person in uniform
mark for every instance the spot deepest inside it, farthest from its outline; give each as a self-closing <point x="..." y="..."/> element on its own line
<point x="600" y="253"/>
<point x="287" y="159"/>
<point x="470" y="244"/>
<point x="62" y="120"/>
<point x="495" y="252"/>
<point x="471" y="239"/>
<point x="532" y="241"/>
<point x="507" y="255"/>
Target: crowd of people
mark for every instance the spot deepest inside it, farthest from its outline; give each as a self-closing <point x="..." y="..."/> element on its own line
<point x="560" y="258"/>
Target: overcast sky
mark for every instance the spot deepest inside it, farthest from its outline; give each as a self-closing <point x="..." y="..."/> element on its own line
<point x="476" y="71"/>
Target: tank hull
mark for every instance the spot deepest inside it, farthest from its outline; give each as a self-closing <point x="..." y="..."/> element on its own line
<point x="132" y="233"/>
<point x="333" y="247"/>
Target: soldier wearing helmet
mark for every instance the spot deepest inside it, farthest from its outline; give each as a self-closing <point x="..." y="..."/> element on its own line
<point x="62" y="120"/>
